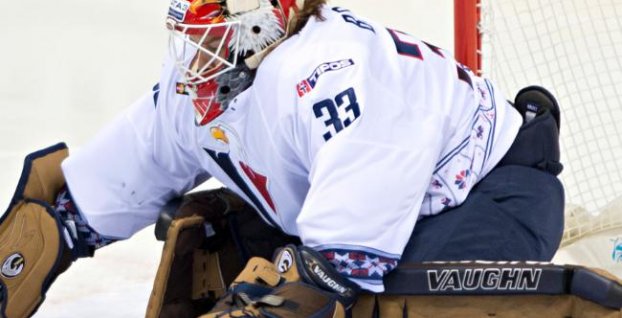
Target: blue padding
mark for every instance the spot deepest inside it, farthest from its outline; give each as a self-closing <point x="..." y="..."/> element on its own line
<point x="591" y="286"/>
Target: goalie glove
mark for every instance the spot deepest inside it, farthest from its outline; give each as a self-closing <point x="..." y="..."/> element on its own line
<point x="299" y="283"/>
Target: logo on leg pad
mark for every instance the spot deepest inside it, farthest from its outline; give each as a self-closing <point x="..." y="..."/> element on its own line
<point x="285" y="261"/>
<point x="13" y="265"/>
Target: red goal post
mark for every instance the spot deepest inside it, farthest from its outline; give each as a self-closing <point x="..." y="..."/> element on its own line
<point x="574" y="49"/>
<point x="468" y="40"/>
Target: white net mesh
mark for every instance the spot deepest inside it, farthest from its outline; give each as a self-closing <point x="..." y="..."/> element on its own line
<point x="573" y="48"/>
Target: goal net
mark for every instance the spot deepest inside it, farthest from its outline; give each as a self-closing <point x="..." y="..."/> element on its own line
<point x="574" y="49"/>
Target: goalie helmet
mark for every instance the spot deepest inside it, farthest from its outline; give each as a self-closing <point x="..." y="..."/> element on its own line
<point x="217" y="44"/>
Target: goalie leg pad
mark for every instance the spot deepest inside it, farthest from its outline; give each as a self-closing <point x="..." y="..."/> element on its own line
<point x="209" y="237"/>
<point x="189" y="279"/>
<point x="479" y="306"/>
<point x="32" y="244"/>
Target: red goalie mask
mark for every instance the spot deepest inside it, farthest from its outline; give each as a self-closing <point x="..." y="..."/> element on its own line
<point x="212" y="39"/>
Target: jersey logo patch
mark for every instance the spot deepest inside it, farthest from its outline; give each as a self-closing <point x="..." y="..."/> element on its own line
<point x="308" y="84"/>
<point x="220" y="135"/>
<point x="178" y="8"/>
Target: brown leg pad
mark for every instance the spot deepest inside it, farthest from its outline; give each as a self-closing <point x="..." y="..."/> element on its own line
<point x="30" y="249"/>
<point x="559" y="306"/>
<point x="189" y="279"/>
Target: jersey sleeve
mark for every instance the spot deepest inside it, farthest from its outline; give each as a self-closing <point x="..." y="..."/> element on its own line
<point x="369" y="176"/>
<point x="122" y="178"/>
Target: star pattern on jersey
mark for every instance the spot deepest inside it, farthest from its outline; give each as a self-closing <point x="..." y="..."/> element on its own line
<point x="75" y="224"/>
<point x="482" y="92"/>
<point x="359" y="264"/>
<point x="480" y="132"/>
<point x="436" y="184"/>
<point x="461" y="178"/>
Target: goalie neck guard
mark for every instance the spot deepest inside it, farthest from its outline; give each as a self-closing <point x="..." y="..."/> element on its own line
<point x="217" y="45"/>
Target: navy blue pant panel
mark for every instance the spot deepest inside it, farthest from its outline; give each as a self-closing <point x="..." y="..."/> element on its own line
<point x="514" y="213"/>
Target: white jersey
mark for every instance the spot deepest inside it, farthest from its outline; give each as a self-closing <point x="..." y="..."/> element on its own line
<point x="350" y="133"/>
